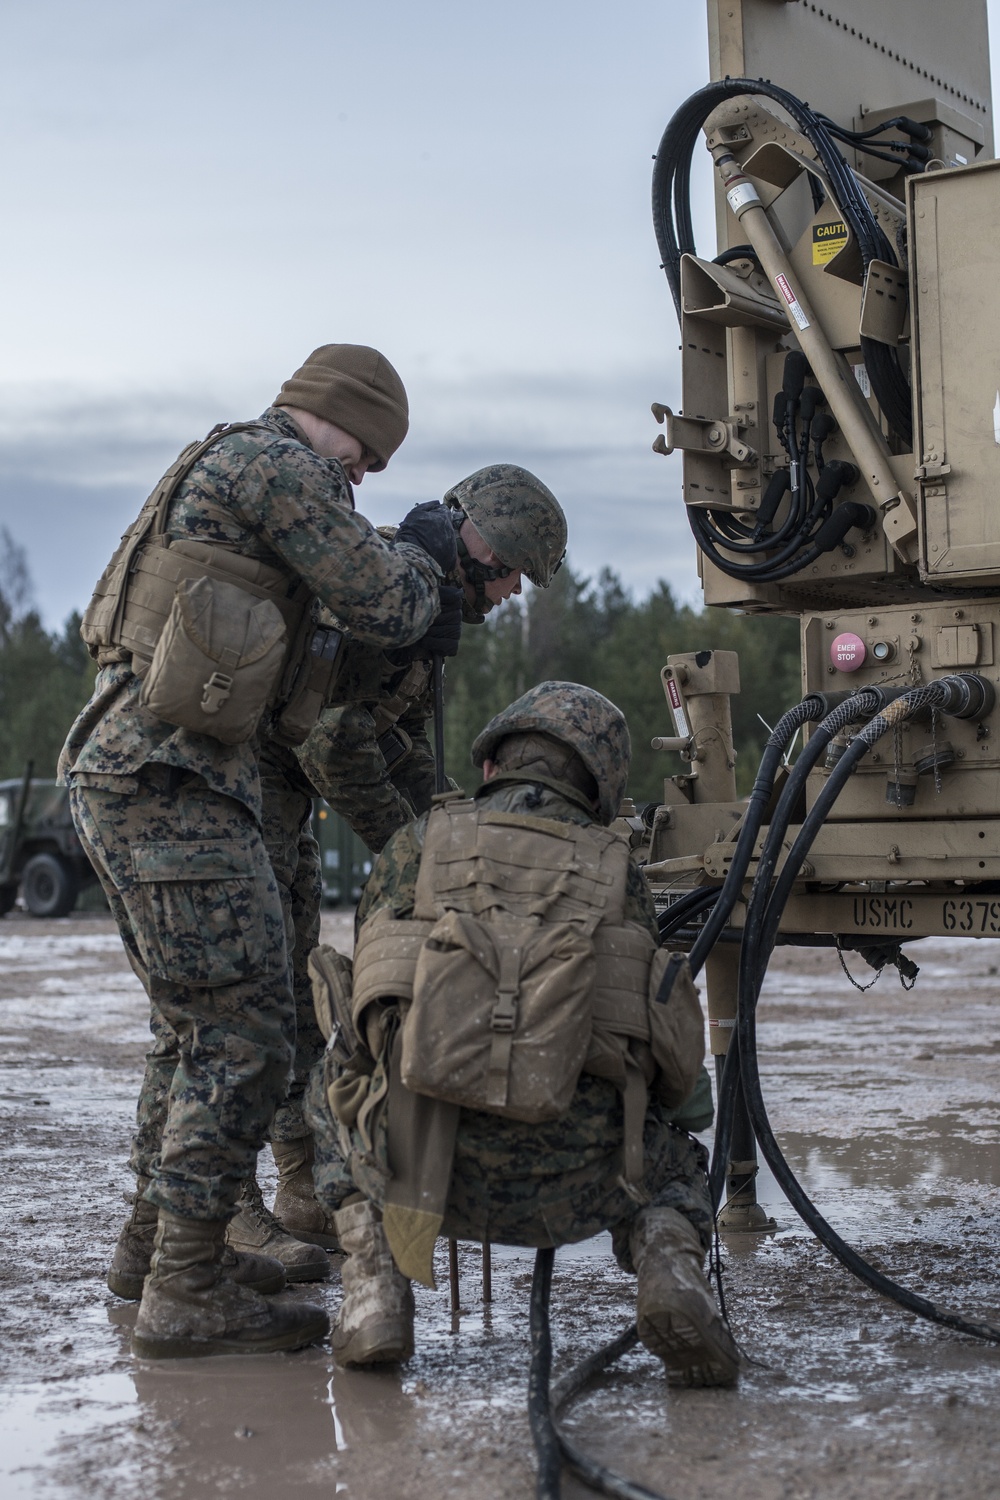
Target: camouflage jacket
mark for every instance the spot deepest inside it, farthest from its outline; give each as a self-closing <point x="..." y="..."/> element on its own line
<point x="267" y="495"/>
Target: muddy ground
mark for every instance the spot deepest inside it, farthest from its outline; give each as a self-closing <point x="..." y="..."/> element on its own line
<point x="887" y="1104"/>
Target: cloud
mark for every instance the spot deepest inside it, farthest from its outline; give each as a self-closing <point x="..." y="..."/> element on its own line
<point x="75" y="467"/>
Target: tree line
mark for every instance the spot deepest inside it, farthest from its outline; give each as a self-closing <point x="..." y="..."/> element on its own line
<point x="580" y="630"/>
<point x="595" y="632"/>
<point x="45" y="676"/>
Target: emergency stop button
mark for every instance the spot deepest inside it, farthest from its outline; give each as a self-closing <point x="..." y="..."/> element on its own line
<point x="847" y="652"/>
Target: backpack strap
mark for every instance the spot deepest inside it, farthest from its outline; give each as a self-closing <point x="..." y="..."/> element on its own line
<point x="152" y="519"/>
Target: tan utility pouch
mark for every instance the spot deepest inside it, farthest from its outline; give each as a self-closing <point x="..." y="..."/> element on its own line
<point x="676" y="1026"/>
<point x="332" y="977"/>
<point x="217" y="660"/>
<point x="500" y="1019"/>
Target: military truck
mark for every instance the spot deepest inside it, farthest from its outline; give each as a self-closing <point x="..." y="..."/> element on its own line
<point x="40" y="854"/>
<point x="840" y="430"/>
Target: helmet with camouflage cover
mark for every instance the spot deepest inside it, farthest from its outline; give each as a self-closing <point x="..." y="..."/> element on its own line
<point x="519" y="518"/>
<point x="577" y="717"/>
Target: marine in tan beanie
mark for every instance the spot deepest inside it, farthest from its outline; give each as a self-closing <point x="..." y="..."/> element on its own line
<point x="354" y="390"/>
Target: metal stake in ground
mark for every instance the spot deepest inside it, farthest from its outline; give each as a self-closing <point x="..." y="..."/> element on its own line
<point x="440" y="785"/>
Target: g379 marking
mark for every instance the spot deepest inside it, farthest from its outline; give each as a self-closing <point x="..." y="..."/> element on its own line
<point x="969" y="915"/>
<point x="958" y="914"/>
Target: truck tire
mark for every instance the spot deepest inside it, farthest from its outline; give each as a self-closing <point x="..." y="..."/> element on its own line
<point x="50" y="886"/>
<point x="8" y="895"/>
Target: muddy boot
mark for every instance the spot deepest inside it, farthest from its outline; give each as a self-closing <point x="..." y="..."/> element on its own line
<point x="375" y="1324"/>
<point x="295" y="1203"/>
<point x="675" y="1310"/>
<point x="134" y="1251"/>
<point x="191" y="1307"/>
<point x="256" y="1229"/>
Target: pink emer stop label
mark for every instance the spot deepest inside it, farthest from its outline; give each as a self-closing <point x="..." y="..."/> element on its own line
<point x="847" y="652"/>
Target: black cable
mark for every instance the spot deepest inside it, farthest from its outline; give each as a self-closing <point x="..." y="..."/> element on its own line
<point x="965" y="695"/>
<point x="809" y="528"/>
<point x="688" y="906"/>
<point x="763" y="915"/>
<point x="551" y="1445"/>
<point x="674" y="234"/>
<point x="811" y="708"/>
<point x="543" y="1432"/>
<point x="736" y="252"/>
<point x="839" y="710"/>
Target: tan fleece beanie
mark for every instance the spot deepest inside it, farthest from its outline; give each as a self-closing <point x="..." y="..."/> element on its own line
<point x="357" y="388"/>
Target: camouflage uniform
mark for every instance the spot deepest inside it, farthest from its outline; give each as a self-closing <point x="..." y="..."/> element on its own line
<point x="295" y="860"/>
<point x="350" y="756"/>
<point x="514" y="1183"/>
<point x="172" y="821"/>
<point x="341" y="761"/>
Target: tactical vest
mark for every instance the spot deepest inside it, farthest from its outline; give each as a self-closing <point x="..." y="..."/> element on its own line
<point x="218" y="624"/>
<point x="519" y="970"/>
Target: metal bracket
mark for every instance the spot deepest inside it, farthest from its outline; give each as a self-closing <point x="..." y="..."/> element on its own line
<point x="885" y="303"/>
<point x="933" y="470"/>
<point x="703" y="435"/>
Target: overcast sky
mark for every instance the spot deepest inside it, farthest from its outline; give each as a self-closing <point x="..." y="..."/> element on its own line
<point x="197" y="194"/>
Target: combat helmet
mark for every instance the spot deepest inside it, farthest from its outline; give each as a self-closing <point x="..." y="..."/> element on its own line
<point x="518" y="516"/>
<point x="576" y="716"/>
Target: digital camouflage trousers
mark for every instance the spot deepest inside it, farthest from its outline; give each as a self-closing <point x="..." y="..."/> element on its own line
<point x="534" y="1185"/>
<point x="295" y="860"/>
<point x="188" y="878"/>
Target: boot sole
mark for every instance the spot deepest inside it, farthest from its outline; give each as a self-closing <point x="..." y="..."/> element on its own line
<point x="267" y="1285"/>
<point x="325" y="1241"/>
<point x="383" y="1344"/>
<point x="308" y="1273"/>
<point x="128" y="1285"/>
<point x="159" y="1346"/>
<point x="318" y="1270"/>
<point x="694" y="1355"/>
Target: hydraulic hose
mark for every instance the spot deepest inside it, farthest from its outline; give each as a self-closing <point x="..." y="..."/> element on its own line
<point x="968" y="695"/>
<point x="543" y="1430"/>
<point x="965" y="695"/>
<point x="850" y="708"/>
<point x="687" y="907"/>
<point x="812" y="707"/>
<point x="674" y="231"/>
<point x="552" y="1447"/>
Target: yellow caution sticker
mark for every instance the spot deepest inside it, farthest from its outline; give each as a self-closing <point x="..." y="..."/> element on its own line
<point x="828" y="241"/>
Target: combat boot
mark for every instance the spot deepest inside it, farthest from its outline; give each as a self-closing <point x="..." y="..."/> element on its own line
<point x="295" y="1203"/>
<point x="191" y="1307"/>
<point x="134" y="1251"/>
<point x="130" y="1263"/>
<point x="675" y="1310"/>
<point x="255" y="1228"/>
<point x="375" y="1323"/>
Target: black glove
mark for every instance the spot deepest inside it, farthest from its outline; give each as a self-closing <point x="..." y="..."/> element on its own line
<point x="444" y="634"/>
<point x="429" y="526"/>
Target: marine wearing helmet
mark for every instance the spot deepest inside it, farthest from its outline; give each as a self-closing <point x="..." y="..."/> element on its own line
<point x="508" y="523"/>
<point x="369" y="755"/>
<point x="509" y="1054"/>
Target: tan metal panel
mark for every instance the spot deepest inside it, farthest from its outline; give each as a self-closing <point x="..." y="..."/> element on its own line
<point x="850" y="56"/>
<point x="954" y="231"/>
